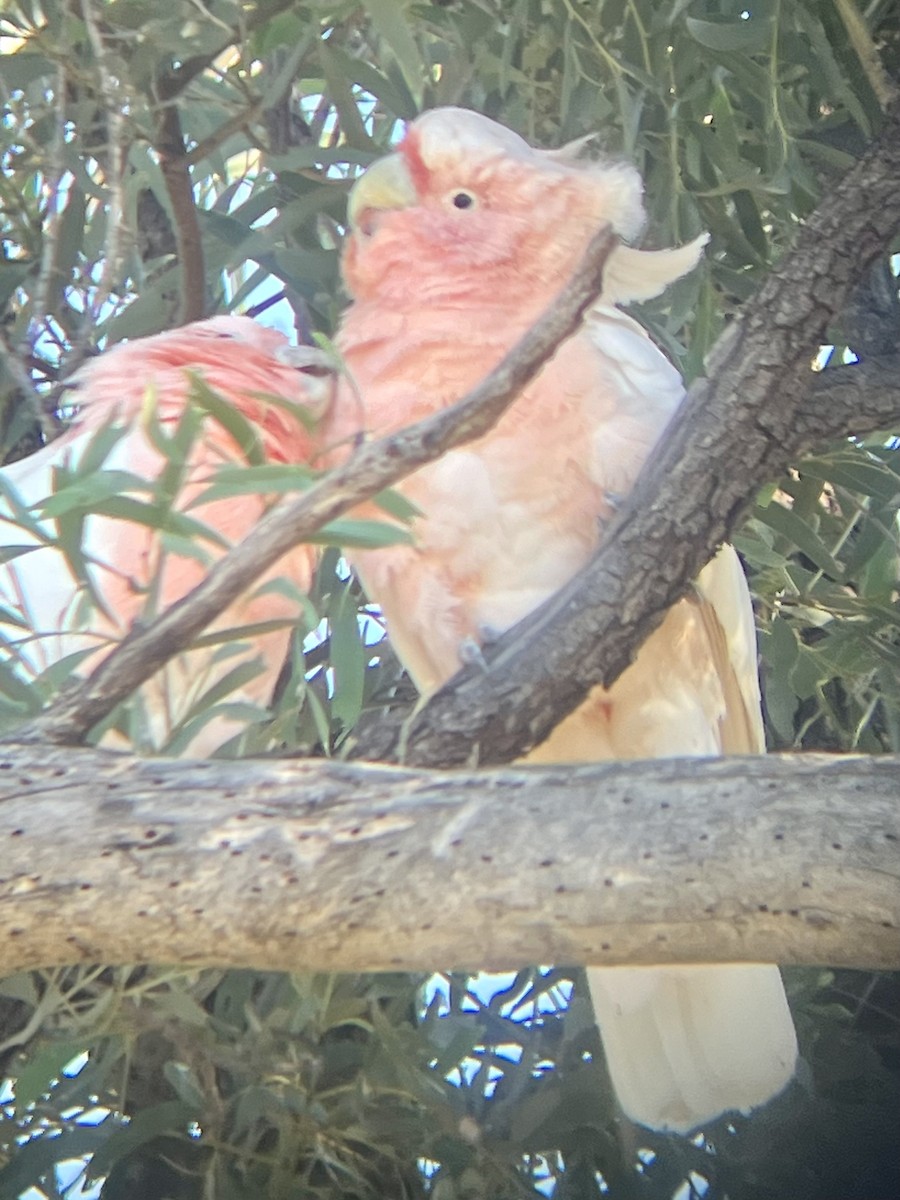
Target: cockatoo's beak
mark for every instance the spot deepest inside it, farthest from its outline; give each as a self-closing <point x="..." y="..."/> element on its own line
<point x="386" y="185"/>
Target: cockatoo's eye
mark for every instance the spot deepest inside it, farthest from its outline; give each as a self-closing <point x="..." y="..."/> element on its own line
<point x="462" y="199"/>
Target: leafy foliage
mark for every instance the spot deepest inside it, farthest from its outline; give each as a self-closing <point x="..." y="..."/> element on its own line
<point x="161" y="161"/>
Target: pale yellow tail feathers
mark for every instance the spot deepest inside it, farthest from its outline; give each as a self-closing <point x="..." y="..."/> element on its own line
<point x="686" y="1044"/>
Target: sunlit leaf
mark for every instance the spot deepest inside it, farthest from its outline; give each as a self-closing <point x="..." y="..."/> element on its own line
<point x="42" y="1072"/>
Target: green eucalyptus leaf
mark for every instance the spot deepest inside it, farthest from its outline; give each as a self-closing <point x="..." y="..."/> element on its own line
<point x="348" y="657"/>
<point x="388" y="18"/>
<point x="266" y="479"/>
<point x="785" y="521"/>
<point x="41" y="1073"/>
<point x="361" y="534"/>
<point x="171" y="1117"/>
<point x="88" y="492"/>
<point x="244" y="432"/>
<point x="8" y="553"/>
<point x="34" y="1162"/>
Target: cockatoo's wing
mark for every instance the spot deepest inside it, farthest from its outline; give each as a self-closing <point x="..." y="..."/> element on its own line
<point x="491" y="544"/>
<point x="723" y="599"/>
<point x="81" y="593"/>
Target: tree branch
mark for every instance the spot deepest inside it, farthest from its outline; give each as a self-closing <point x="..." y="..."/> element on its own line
<point x="115" y="105"/>
<point x="227" y="129"/>
<point x="854" y="400"/>
<point x="176" y="160"/>
<point x="751" y="418"/>
<point x="177" y="176"/>
<point x="331" y="866"/>
<point x="371" y="469"/>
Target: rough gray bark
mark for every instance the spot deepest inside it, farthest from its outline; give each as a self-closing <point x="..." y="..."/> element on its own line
<point x="323" y="865"/>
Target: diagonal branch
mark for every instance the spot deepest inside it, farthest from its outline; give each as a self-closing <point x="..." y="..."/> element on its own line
<point x="744" y="424"/>
<point x="371" y="469"/>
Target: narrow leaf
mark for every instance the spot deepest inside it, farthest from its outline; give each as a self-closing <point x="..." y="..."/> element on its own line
<point x="793" y="527"/>
<point x="361" y="534"/>
<point x="172" y="1116"/>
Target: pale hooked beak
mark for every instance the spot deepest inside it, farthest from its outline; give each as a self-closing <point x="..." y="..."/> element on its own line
<point x="386" y="185"/>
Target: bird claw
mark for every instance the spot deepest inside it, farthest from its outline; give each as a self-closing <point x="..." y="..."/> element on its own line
<point x="613" y="502"/>
<point x="470" y="654"/>
<point x="489" y="635"/>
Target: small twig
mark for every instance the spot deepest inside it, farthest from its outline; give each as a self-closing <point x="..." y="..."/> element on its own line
<point x="175" y="160"/>
<point x="54" y="170"/>
<point x="371" y="469"/>
<point x="113" y="167"/>
<point x="866" y="51"/>
<point x="222" y="134"/>
<point x="256" y="310"/>
<point x="211" y="17"/>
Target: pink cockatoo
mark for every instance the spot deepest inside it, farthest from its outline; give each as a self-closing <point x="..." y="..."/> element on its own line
<point x="458" y="241"/>
<point x="132" y="570"/>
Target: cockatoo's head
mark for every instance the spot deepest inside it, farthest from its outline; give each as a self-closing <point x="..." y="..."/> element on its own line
<point x="463" y="193"/>
<point x="465" y="207"/>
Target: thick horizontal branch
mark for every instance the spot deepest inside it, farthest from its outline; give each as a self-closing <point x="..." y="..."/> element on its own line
<point x="374" y="467"/>
<point x="744" y="424"/>
<point x="322" y="865"/>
